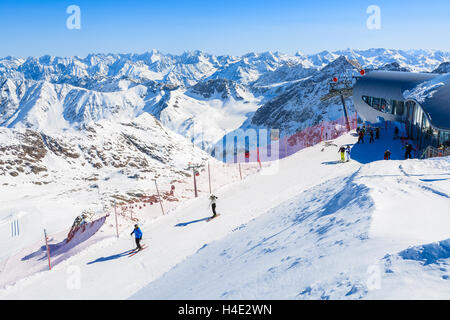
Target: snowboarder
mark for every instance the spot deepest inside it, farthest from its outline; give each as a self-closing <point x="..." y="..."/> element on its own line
<point x="138" y="236"/>
<point x="342" y="151"/>
<point x="347" y="153"/>
<point x="371" y="136"/>
<point x="212" y="199"/>
<point x="408" y="148"/>
<point x="387" y="155"/>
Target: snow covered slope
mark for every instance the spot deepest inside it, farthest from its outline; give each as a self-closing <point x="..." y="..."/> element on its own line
<point x="50" y="178"/>
<point x="347" y="238"/>
<point x="314" y="228"/>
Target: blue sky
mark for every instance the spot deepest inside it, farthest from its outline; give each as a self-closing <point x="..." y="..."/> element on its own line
<point x="36" y="28"/>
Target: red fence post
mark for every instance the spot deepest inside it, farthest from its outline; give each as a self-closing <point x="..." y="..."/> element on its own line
<point x="259" y="161"/>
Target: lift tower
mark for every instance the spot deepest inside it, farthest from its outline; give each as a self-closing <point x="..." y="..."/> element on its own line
<point x="343" y="89"/>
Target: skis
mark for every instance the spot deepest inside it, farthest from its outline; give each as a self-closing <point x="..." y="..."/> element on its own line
<point x="132" y="253"/>
<point x="209" y="219"/>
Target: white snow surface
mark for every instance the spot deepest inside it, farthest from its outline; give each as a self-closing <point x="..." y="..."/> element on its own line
<point x="308" y="228"/>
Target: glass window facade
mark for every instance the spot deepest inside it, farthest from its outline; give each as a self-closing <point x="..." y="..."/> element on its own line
<point x="444" y="139"/>
<point x="420" y="129"/>
<point x="382" y="105"/>
<point x="398" y="107"/>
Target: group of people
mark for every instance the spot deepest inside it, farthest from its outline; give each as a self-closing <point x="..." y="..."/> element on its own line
<point x="408" y="147"/>
<point x="345" y="153"/>
<point x="373" y="133"/>
<point x="138" y="232"/>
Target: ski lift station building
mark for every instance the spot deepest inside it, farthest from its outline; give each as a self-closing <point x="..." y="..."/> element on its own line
<point x="419" y="100"/>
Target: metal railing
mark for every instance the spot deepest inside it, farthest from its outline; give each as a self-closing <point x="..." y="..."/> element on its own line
<point x="433" y="152"/>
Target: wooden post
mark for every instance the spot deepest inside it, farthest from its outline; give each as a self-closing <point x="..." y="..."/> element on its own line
<point x="195" y="182"/>
<point x="48" y="250"/>
<point x="240" y="171"/>
<point x="117" y="225"/>
<point x="209" y="179"/>
<point x="159" y="197"/>
<point x="285" y="147"/>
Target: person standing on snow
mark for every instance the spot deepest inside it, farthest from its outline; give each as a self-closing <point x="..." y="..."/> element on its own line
<point x="342" y="151"/>
<point x="408" y="149"/>
<point x="138" y="236"/>
<point x="347" y="154"/>
<point x="387" y="155"/>
<point x="377" y="133"/>
<point x="212" y="199"/>
<point x="371" y="136"/>
<point x="396" y="132"/>
<point x="361" y="136"/>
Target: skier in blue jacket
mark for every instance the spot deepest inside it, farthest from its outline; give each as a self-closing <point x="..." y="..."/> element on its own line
<point x="138" y="236"/>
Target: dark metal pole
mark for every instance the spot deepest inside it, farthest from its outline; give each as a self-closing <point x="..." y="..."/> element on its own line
<point x="345" y="113"/>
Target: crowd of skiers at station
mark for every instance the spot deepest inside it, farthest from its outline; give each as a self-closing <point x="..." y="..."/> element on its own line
<point x="374" y="133"/>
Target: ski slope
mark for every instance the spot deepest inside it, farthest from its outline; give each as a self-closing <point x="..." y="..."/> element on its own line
<point x="337" y="240"/>
<point x="309" y="227"/>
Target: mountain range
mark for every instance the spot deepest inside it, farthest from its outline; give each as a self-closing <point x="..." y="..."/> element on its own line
<point x="200" y="96"/>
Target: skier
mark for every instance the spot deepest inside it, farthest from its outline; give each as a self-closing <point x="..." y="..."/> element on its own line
<point x="347" y="154"/>
<point x="83" y="219"/>
<point x="408" y="148"/>
<point x="361" y="136"/>
<point x="138" y="236"/>
<point x="387" y="155"/>
<point x="342" y="151"/>
<point x="212" y="203"/>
